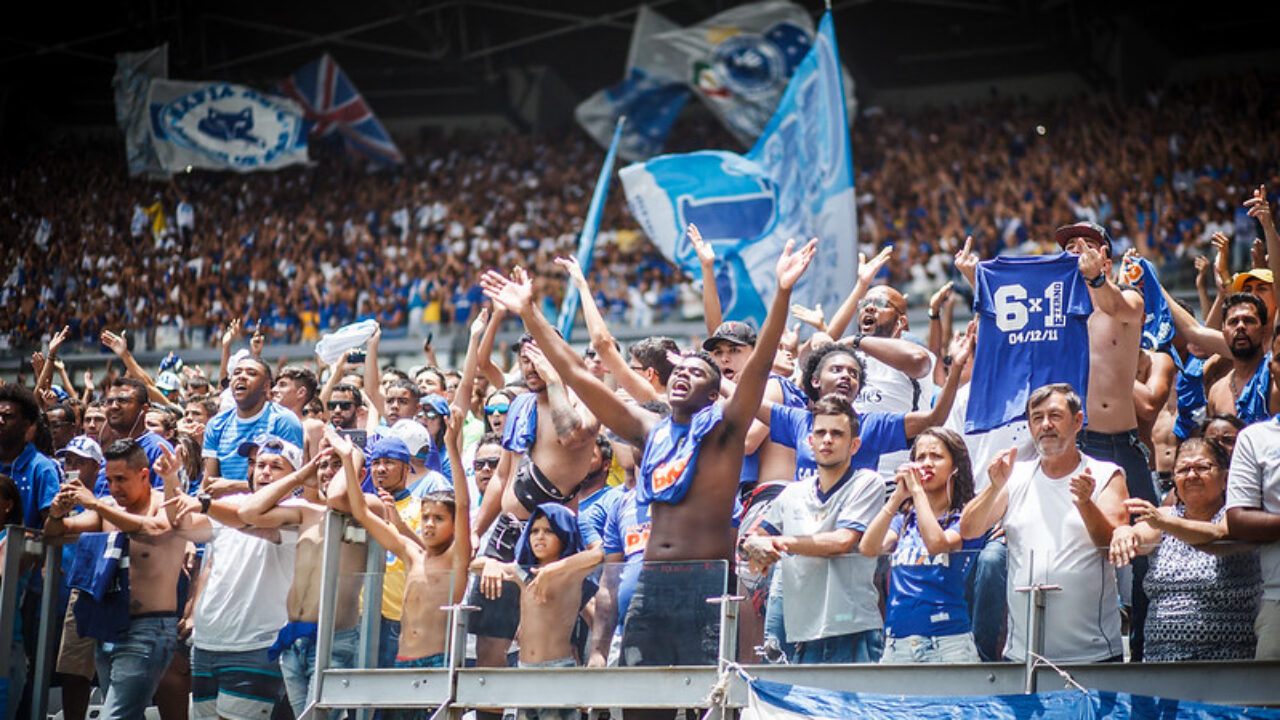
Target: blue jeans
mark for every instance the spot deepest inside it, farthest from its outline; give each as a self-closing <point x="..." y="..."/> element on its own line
<point x="388" y="642"/>
<point x="860" y="647"/>
<point x="774" y="627"/>
<point x="922" y="649"/>
<point x="987" y="599"/>
<point x="298" y="665"/>
<point x="131" y="666"/>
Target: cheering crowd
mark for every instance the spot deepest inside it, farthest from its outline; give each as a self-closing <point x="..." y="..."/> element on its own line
<point x="303" y="251"/>
<point x="877" y="492"/>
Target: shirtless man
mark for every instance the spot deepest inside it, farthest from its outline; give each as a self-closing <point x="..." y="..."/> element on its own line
<point x="435" y="561"/>
<point x="1242" y="390"/>
<point x="137" y="658"/>
<point x="548" y="451"/>
<point x="688" y="475"/>
<point x="273" y="506"/>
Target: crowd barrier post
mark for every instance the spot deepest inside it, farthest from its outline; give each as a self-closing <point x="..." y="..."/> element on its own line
<point x="45" y="652"/>
<point x="334" y="525"/>
<point x="1035" y="622"/>
<point x="9" y="595"/>
<point x="371" y="614"/>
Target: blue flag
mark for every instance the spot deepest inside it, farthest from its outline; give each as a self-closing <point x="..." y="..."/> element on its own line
<point x="590" y="226"/>
<point x="796" y="182"/>
<point x="1157" y="326"/>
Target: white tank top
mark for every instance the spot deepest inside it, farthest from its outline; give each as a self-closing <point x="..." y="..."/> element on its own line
<point x="1048" y="544"/>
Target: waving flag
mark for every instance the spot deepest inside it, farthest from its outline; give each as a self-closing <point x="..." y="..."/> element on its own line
<point x="1157" y="325"/>
<point x="797" y="182"/>
<point x="333" y="104"/>
<point x="590" y="226"/>
<point x="132" y="81"/>
<point x="222" y="126"/>
<point x="651" y="95"/>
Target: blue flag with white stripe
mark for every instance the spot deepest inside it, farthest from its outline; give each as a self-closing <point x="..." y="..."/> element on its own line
<point x="796" y="182"/>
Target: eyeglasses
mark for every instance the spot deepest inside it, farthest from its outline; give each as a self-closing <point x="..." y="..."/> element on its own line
<point x="880" y="303"/>
<point x="430" y="415"/>
<point x="341" y="404"/>
<point x="1185" y="470"/>
<point x="486" y="462"/>
<point x="118" y="401"/>
<point x="498" y="409"/>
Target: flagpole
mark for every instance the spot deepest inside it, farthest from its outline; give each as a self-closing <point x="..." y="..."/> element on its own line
<point x="590" y="227"/>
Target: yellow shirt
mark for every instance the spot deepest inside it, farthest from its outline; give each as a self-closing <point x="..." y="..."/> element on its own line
<point x="394" y="580"/>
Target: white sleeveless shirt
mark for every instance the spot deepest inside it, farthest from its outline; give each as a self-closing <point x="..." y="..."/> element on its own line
<point x="1049" y="544"/>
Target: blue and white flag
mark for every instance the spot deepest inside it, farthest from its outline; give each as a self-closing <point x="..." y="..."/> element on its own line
<point x="1157" y="326"/>
<point x="221" y="126"/>
<point x="739" y="61"/>
<point x="797" y="182"/>
<point x="778" y="701"/>
<point x="590" y="227"/>
<point x="134" y="73"/>
<point x="650" y="96"/>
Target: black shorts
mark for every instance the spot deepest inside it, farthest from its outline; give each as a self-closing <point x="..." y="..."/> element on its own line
<point x="500" y="617"/>
<point x="669" y="621"/>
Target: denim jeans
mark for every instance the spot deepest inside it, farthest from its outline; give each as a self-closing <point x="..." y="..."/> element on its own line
<point x="388" y="642"/>
<point x="774" y="627"/>
<point x="922" y="649"/>
<point x="298" y="665"/>
<point x="131" y="666"/>
<point x="860" y="647"/>
<point x="986" y="595"/>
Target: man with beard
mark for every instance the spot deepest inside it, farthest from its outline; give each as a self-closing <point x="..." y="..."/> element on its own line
<point x="344" y="406"/>
<point x="253" y="415"/>
<point x="1057" y="509"/>
<point x="1244" y="390"/>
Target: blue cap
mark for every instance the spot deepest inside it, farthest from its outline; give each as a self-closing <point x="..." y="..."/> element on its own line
<point x="432" y="401"/>
<point x="59" y="393"/>
<point x="392" y="448"/>
<point x="266" y="443"/>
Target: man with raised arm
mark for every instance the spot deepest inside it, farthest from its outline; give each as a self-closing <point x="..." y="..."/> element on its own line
<point x="688" y="475"/>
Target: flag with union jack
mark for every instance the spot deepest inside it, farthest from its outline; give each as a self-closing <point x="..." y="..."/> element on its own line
<point x="333" y="104"/>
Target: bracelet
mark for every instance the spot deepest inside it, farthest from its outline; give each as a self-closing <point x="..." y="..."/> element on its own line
<point x="205" y="500"/>
<point x="1098" y="281"/>
<point x="935" y="315"/>
<point x="857" y="341"/>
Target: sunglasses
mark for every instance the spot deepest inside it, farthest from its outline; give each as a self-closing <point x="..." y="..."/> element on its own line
<point x="880" y="303"/>
<point x="486" y="462"/>
<point x="341" y="404"/>
<point x="431" y="415"/>
<point x="498" y="409"/>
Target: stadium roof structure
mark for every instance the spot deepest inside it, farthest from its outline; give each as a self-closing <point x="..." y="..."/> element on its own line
<point x="428" y="57"/>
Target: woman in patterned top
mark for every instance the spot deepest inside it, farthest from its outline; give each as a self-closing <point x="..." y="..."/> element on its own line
<point x="1203" y="598"/>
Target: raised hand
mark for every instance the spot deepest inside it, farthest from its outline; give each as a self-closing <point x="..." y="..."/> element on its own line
<point x="792" y="265"/>
<point x="1144" y="511"/>
<point x="1002" y="466"/>
<point x="55" y="343"/>
<point x="1203" y="268"/>
<point x="231" y="332"/>
<point x="256" y="342"/>
<point x="453" y="425"/>
<point x="940" y="297"/>
<point x="1091" y="263"/>
<point x="513" y="294"/>
<point x="1081" y="486"/>
<point x="1259" y="208"/>
<point x="814" y="317"/>
<point x="340" y="444"/>
<point x="868" y="269"/>
<point x="167" y="465"/>
<point x="1221" y="263"/>
<point x="115" y="343"/>
<point x="967" y="260"/>
<point x="541" y="364"/>
<point x="1258" y="253"/>
<point x="706" y="254"/>
<point x="573" y="270"/>
<point x="480" y="323"/>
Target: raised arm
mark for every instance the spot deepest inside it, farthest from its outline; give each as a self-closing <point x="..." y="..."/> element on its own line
<point x="1210" y="341"/>
<point x="988" y="507"/>
<point x="45" y="380"/>
<point x="867" y="271"/>
<point x="373" y="376"/>
<point x="229" y="335"/>
<point x="1124" y="305"/>
<point x="484" y="353"/>
<point x="631" y="423"/>
<point x="461" y="548"/>
<point x="602" y="341"/>
<point x="1260" y="210"/>
<point x="573" y="424"/>
<point x="740" y="407"/>
<point x="917" y="421"/>
<point x="381" y="530"/>
<point x="120" y="347"/>
<point x="263" y="508"/>
<point x="462" y="398"/>
<point x="336" y="371"/>
<point x="711" y="311"/>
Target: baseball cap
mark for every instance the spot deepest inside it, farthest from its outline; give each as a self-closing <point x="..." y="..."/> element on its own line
<point x="1086" y="229"/>
<point x="266" y="443"/>
<point x="734" y="331"/>
<point x="432" y="401"/>
<point x="59" y="393"/>
<point x="85" y="447"/>
<point x="391" y="448"/>
<point x="411" y="432"/>
<point x="1263" y="274"/>
<point x="168" y="381"/>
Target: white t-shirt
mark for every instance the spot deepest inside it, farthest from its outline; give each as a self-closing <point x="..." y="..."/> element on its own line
<point x="984" y="446"/>
<point x="1254" y="482"/>
<point x="242" y="604"/>
<point x="886" y="389"/>
<point x="828" y="596"/>
<point x="1049" y="545"/>
<point x="186" y="215"/>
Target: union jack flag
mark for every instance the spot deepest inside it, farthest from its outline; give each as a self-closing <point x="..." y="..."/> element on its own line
<point x="333" y="104"/>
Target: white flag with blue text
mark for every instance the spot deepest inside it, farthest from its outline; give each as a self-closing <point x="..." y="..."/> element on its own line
<point x="650" y="96"/>
<point x="796" y="182"/>
<point x="222" y="126"/>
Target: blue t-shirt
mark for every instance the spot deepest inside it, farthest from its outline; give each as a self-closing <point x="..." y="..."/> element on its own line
<point x="1251" y="406"/>
<point x="521" y="431"/>
<point x="671" y="456"/>
<point x="627" y="532"/>
<point x="880" y="433"/>
<point x="1033" y="321"/>
<point x="226" y="431"/>
<point x="593" y="513"/>
<point x="154" y="445"/>
<point x="1190" y="388"/>
<point x="926" y="592"/>
<point x="37" y="478"/>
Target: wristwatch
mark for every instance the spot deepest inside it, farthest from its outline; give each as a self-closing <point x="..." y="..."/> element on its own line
<point x="205" y="500"/>
<point x="857" y="341"/>
<point x="1098" y="281"/>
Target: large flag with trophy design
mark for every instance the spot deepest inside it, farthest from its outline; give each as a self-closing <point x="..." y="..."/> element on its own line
<point x="223" y="126"/>
<point x="796" y="182"/>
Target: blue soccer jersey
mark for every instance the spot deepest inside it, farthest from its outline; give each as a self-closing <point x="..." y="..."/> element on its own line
<point x="1033" y="330"/>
